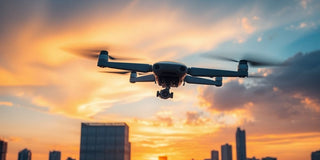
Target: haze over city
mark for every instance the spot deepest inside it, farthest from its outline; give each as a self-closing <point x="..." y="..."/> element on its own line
<point x="46" y="92"/>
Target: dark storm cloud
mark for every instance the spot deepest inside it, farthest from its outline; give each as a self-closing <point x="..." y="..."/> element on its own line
<point x="279" y="100"/>
<point x="302" y="76"/>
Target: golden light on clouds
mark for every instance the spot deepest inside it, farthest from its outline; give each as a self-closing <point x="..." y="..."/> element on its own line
<point x="46" y="91"/>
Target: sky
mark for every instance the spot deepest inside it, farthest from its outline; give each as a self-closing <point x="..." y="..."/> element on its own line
<point x="46" y="92"/>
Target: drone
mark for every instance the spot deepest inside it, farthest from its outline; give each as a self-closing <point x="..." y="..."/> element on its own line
<point x="169" y="74"/>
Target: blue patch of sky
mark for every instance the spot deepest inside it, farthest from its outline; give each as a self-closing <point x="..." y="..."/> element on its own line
<point x="306" y="43"/>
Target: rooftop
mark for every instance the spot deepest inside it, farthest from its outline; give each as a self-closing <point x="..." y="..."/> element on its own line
<point x="106" y="124"/>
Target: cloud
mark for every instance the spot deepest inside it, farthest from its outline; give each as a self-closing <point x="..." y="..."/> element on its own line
<point x="5" y="103"/>
<point x="302" y="26"/>
<point x="287" y="97"/>
<point x="259" y="39"/>
<point x="64" y="83"/>
<point x="247" y="26"/>
<point x="195" y="119"/>
<point x="304" y="3"/>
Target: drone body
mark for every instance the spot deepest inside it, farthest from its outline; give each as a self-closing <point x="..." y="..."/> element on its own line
<point x="171" y="74"/>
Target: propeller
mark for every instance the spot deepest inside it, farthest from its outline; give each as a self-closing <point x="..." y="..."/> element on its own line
<point x="252" y="61"/>
<point x="92" y="51"/>
<point x="256" y="76"/>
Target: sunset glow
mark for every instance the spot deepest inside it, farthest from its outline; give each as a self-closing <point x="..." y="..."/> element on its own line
<point x="46" y="91"/>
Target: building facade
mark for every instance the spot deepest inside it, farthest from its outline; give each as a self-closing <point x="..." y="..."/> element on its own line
<point x="25" y="154"/>
<point x="315" y="155"/>
<point x="226" y="152"/>
<point x="241" y="144"/>
<point x="54" y="155"/>
<point x="104" y="141"/>
<point x="3" y="150"/>
<point x="214" y="155"/>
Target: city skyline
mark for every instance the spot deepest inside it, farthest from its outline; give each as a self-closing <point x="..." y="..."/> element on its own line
<point x="95" y="134"/>
<point x="46" y="91"/>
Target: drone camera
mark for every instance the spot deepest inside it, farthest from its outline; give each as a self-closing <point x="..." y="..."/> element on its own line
<point x="165" y="94"/>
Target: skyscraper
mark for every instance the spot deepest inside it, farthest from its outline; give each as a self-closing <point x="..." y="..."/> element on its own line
<point x="241" y="144"/>
<point x="104" y="141"/>
<point x="226" y="152"/>
<point x="25" y="154"/>
<point x="214" y="155"/>
<point x="315" y="155"/>
<point x="54" y="155"/>
<point x="3" y="149"/>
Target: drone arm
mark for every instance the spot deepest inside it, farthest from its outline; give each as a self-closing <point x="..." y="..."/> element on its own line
<point x="103" y="61"/>
<point x="197" y="80"/>
<point x="193" y="71"/>
<point x="146" y="78"/>
<point x="139" y="67"/>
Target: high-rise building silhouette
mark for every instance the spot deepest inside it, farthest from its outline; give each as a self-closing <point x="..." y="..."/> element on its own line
<point x="104" y="141"/>
<point x="269" y="158"/>
<point x="163" y="158"/>
<point x="214" y="155"/>
<point x="315" y="155"/>
<point x="54" y="155"/>
<point x="3" y="149"/>
<point x="25" y="154"/>
<point x="226" y="152"/>
<point x="241" y="144"/>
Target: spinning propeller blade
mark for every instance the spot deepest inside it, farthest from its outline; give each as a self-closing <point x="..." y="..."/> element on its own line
<point x="256" y="76"/>
<point x="252" y="61"/>
<point x="92" y="51"/>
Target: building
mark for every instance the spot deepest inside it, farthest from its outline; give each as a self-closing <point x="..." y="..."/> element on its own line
<point x="104" y="141"/>
<point x="315" y="155"/>
<point x="25" y="154"/>
<point x="54" y="155"/>
<point x="253" y="158"/>
<point x="163" y="158"/>
<point x="241" y="144"/>
<point x="69" y="158"/>
<point x="226" y="152"/>
<point x="3" y="149"/>
<point x="214" y="155"/>
<point x="269" y="158"/>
